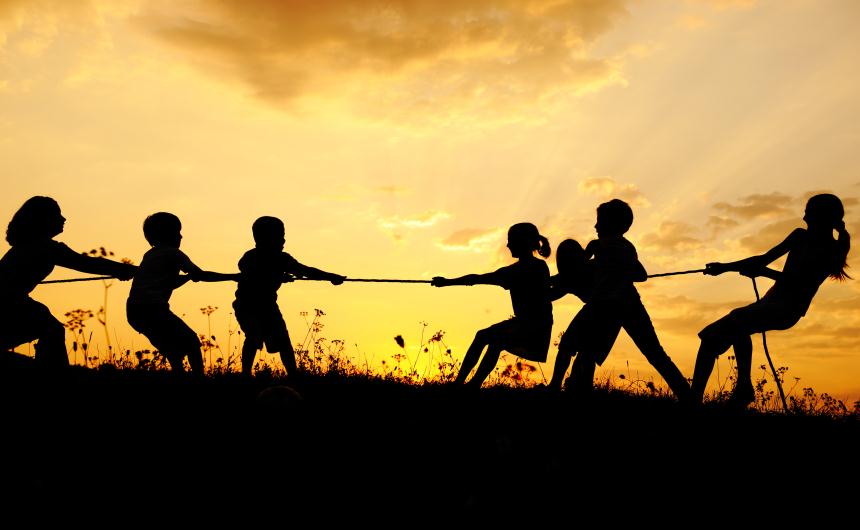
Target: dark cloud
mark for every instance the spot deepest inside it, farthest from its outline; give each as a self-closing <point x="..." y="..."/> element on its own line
<point x="428" y="51"/>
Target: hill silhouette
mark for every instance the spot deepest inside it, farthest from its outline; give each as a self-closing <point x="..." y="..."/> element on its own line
<point x="377" y="449"/>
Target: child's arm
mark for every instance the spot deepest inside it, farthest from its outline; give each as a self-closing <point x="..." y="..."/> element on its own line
<point x="591" y="249"/>
<point x="490" y="278"/>
<point x="197" y="274"/>
<point x="556" y="289"/>
<point x="763" y="271"/>
<point x="312" y="273"/>
<point x="70" y="259"/>
<point x="638" y="272"/>
<point x="755" y="264"/>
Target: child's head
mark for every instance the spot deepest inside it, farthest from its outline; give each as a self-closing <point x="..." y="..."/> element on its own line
<point x="524" y="239"/>
<point x="268" y="232"/>
<point x="38" y="218"/>
<point x="162" y="229"/>
<point x="614" y="218"/>
<point x="569" y="257"/>
<point x="824" y="210"/>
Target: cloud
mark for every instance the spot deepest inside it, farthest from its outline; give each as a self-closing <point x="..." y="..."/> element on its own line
<point x="472" y="240"/>
<point x="684" y="316"/>
<point x="759" y="206"/>
<point x="672" y="236"/>
<point x="719" y="224"/>
<point x="770" y="235"/>
<point x="424" y="55"/>
<point x="607" y="188"/>
<point x="421" y="220"/>
<point x="393" y="190"/>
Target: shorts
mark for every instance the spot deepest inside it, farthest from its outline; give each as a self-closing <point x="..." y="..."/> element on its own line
<point x="263" y="325"/>
<point x="757" y="317"/>
<point x="524" y="339"/>
<point x="165" y="331"/>
<point x="590" y="331"/>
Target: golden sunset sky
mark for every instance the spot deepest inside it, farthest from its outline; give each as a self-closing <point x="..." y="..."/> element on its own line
<point x="401" y="138"/>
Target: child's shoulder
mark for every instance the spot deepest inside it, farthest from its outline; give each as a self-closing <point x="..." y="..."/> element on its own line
<point x="164" y="252"/>
<point x="531" y="264"/>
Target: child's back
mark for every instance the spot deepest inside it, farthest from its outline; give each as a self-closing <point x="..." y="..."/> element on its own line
<point x="527" y="280"/>
<point x="262" y="272"/>
<point x="158" y="275"/>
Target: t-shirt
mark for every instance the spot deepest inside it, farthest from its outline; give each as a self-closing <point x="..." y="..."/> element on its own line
<point x="806" y="267"/>
<point x="615" y="263"/>
<point x="158" y="275"/>
<point x="579" y="282"/>
<point x="25" y="265"/>
<point x="528" y="282"/>
<point x="261" y="275"/>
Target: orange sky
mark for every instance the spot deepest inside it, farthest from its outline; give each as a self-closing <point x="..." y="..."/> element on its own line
<point x="402" y="138"/>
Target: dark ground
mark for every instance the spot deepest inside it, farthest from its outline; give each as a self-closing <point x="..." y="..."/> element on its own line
<point x="354" y="448"/>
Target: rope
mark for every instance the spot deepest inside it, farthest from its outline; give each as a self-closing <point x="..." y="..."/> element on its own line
<point x="90" y="279"/>
<point x="767" y="354"/>
<point x="363" y="280"/>
<point x="695" y="271"/>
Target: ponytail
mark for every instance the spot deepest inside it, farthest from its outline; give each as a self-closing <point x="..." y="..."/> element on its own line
<point x="843" y="245"/>
<point x="529" y="239"/>
<point x="543" y="250"/>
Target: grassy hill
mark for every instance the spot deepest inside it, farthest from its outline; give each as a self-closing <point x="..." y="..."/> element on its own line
<point x="331" y="445"/>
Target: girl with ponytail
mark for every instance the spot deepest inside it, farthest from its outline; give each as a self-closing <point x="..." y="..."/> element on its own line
<point x="527" y="334"/>
<point x="813" y="256"/>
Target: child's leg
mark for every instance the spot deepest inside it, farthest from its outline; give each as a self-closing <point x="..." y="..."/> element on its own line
<point x="51" y="336"/>
<point x="482" y="338"/>
<point x="717" y="338"/>
<point x="562" y="362"/>
<point x="488" y="363"/>
<point x="705" y="359"/>
<point x="743" y="355"/>
<point x="288" y="357"/>
<point x="195" y="359"/>
<point x="581" y="380"/>
<point x="176" y="360"/>
<point x="638" y="325"/>
<point x="249" y="353"/>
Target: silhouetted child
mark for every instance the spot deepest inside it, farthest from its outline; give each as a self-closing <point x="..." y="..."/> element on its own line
<point x="615" y="301"/>
<point x="262" y="270"/>
<point x="527" y="334"/>
<point x="813" y="255"/>
<point x="584" y="333"/>
<point x="33" y="256"/>
<point x="148" y="306"/>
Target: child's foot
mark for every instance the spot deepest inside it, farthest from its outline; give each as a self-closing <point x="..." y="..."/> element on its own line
<point x="742" y="396"/>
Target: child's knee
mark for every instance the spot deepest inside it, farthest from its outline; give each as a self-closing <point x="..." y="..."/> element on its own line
<point x="253" y="342"/>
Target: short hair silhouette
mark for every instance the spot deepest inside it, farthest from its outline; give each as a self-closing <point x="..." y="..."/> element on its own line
<point x="527" y="236"/>
<point x="569" y="256"/>
<point x="615" y="216"/>
<point x="36" y="219"/>
<point x="159" y="228"/>
<point x="267" y="227"/>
